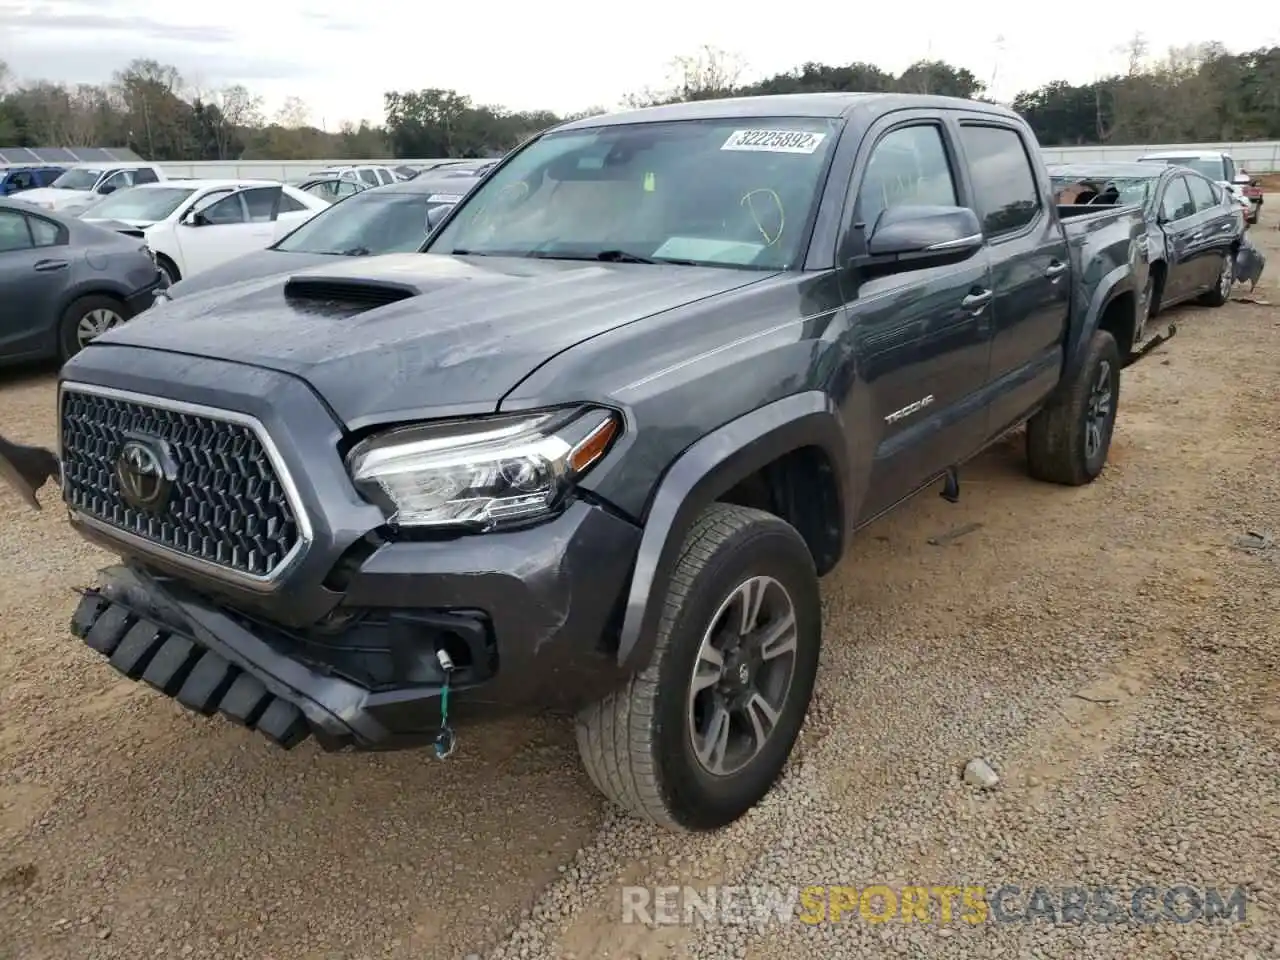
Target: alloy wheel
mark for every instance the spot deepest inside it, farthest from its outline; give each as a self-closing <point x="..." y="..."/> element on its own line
<point x="1225" y="278"/>
<point x="742" y="676"/>
<point x="95" y="323"/>
<point x="1098" y="411"/>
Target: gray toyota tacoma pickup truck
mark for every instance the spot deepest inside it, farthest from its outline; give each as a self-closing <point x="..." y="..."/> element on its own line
<point x="591" y="450"/>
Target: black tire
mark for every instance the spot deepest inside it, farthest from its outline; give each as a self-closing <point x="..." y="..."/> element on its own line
<point x="1221" y="292"/>
<point x="168" y="270"/>
<point x="637" y="744"/>
<point x="70" y="340"/>
<point x="1059" y="449"/>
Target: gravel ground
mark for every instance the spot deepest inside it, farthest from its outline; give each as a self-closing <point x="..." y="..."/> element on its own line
<point x="1113" y="652"/>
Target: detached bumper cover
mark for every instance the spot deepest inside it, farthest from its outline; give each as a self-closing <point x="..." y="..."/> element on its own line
<point x="149" y="634"/>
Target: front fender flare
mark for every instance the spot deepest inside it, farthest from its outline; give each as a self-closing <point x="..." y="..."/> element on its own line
<point x="707" y="470"/>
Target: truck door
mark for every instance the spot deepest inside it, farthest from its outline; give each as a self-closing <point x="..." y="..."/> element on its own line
<point x="1029" y="266"/>
<point x="920" y="337"/>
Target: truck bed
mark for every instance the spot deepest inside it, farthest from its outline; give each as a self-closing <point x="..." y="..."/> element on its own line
<point x="1073" y="213"/>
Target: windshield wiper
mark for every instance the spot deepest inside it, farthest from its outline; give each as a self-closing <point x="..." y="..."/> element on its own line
<point x="357" y="252"/>
<point x="612" y="256"/>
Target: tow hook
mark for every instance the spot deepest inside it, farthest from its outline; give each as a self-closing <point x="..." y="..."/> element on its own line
<point x="446" y="740"/>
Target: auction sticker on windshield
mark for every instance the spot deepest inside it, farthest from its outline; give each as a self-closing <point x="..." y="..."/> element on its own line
<point x="774" y="141"/>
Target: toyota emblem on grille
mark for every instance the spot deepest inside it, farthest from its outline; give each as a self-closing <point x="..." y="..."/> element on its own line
<point x="145" y="483"/>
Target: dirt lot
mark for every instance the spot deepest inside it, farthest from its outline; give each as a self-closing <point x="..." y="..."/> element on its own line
<point x="1113" y="651"/>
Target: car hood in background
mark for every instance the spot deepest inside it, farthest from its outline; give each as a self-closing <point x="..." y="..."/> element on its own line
<point x="134" y="228"/>
<point x="57" y="198"/>
<point x="253" y="266"/>
<point x="468" y="331"/>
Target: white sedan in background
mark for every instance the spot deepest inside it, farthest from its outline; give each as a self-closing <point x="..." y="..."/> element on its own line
<point x="193" y="225"/>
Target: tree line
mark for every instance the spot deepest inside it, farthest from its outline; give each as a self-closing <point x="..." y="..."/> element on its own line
<point x="1195" y="94"/>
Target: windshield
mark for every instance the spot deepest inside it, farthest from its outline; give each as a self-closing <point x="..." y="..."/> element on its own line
<point x="152" y="205"/>
<point x="79" y="179"/>
<point x="367" y="223"/>
<point x="1117" y="191"/>
<point x="1213" y="168"/>
<point x="721" y="192"/>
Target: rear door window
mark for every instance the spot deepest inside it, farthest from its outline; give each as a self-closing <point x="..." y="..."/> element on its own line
<point x="1004" y="179"/>
<point x="262" y="203"/>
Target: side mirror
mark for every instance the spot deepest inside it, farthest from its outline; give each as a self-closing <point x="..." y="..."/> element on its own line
<point x="911" y="237"/>
<point x="1243" y="179"/>
<point x="436" y="214"/>
<point x="107" y="188"/>
<point x="195" y="219"/>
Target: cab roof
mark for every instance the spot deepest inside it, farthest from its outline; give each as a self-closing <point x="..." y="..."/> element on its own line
<point x="831" y="105"/>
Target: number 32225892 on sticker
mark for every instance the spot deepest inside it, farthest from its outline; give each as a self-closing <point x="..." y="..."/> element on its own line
<point x="774" y="141"/>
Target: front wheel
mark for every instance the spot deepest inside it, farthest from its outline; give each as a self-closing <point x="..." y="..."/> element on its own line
<point x="1069" y="439"/>
<point x="1221" y="291"/>
<point x="699" y="737"/>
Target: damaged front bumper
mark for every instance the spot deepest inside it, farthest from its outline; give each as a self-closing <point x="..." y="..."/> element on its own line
<point x="527" y="630"/>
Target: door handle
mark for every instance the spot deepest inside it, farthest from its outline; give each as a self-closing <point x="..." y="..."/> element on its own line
<point x="1055" y="269"/>
<point x="977" y="300"/>
<point x="46" y="266"/>
<point x="1196" y="236"/>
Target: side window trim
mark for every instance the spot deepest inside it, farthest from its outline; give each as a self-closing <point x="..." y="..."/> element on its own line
<point x="275" y="204"/>
<point x="994" y="123"/>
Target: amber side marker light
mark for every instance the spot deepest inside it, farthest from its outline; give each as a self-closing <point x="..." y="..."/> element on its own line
<point x="593" y="446"/>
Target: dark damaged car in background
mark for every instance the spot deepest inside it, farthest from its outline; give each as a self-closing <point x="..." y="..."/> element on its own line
<point x="1195" y="230"/>
<point x="593" y="448"/>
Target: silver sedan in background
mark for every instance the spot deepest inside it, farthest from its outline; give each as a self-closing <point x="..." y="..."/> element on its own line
<point x="63" y="282"/>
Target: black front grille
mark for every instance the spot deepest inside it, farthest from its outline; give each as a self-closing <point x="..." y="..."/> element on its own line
<point x="227" y="505"/>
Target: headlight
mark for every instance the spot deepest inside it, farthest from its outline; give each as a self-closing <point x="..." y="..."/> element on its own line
<point x="481" y="473"/>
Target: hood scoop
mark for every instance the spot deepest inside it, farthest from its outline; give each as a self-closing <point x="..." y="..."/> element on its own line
<point x="344" y="296"/>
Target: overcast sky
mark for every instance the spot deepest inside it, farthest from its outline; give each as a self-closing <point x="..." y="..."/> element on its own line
<point x="340" y="55"/>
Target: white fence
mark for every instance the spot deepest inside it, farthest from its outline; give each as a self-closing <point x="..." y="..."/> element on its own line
<point x="1260" y="156"/>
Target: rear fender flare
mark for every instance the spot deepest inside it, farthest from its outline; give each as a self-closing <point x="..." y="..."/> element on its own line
<point x="707" y="470"/>
<point x="1120" y="280"/>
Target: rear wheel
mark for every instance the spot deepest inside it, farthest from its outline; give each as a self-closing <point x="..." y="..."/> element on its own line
<point x="1068" y="441"/>
<point x="1221" y="291"/>
<point x="698" y="738"/>
<point x="87" y="319"/>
